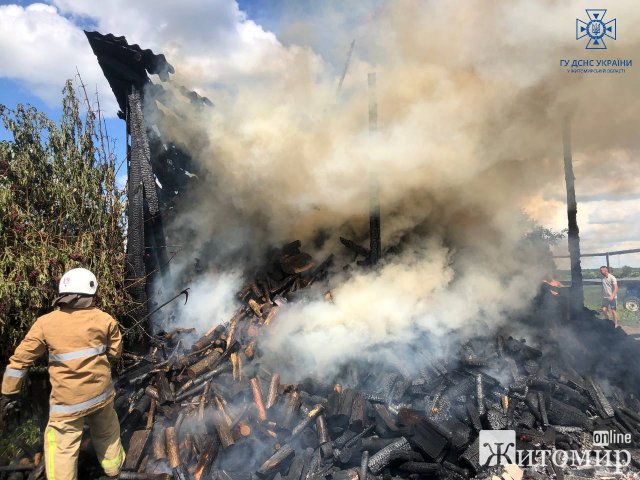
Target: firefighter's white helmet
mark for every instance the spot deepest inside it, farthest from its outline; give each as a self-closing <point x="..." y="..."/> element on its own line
<point x="78" y="280"/>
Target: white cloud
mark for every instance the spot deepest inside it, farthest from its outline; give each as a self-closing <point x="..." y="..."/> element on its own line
<point x="41" y="49"/>
<point x="209" y="43"/>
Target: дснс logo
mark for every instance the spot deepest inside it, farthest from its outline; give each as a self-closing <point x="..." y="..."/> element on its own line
<point x="596" y="29"/>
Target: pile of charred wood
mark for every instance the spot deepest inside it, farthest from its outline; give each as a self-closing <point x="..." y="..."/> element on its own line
<point x="213" y="410"/>
<point x="211" y="415"/>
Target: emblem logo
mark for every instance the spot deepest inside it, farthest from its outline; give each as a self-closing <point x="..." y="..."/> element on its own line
<point x="596" y="29"/>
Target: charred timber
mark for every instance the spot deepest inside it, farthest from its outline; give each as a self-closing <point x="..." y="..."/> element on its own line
<point x="422" y="468"/>
<point x="543" y="409"/>
<point x="474" y="415"/>
<point x="205" y="377"/>
<point x="276" y="461"/>
<point x="364" y="465"/>
<point x="165" y="394"/>
<point x="573" y="237"/>
<point x="358" y="413"/>
<point x="207" y="339"/>
<point x="471" y="456"/>
<point x="353" y="246"/>
<point x="385" y="424"/>
<point x="308" y="420"/>
<point x="190" y="393"/>
<point x="18" y="468"/>
<point x="204" y="365"/>
<point x="132" y="420"/>
<point x="430" y="440"/>
<point x="349" y="474"/>
<point x="599" y="399"/>
<point x="223" y="429"/>
<point x="171" y="439"/>
<point x="374" y="444"/>
<point x="480" y="394"/>
<point x="144" y="476"/>
<point x="291" y="408"/>
<point x="173" y="454"/>
<point x="344" y="411"/>
<point x="562" y="414"/>
<point x="381" y="459"/>
<point x="158" y="442"/>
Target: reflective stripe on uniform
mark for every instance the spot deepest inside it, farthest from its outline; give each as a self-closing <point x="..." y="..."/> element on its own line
<point x="15" y="373"/>
<point x="85" y="352"/>
<point x="77" y="407"/>
<point x="114" y="464"/>
<point x="51" y="452"/>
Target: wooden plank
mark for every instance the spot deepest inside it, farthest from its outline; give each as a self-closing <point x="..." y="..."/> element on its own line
<point x="137" y="445"/>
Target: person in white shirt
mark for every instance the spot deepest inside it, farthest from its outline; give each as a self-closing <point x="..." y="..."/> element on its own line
<point x="609" y="295"/>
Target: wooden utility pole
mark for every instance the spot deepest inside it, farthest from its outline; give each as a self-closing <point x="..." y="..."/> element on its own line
<point x="576" y="300"/>
<point x="375" y="243"/>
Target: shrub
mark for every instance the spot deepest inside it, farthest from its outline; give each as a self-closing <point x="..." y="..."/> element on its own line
<point x="60" y="208"/>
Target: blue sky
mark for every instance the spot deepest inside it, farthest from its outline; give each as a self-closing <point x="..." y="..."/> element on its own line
<point x="13" y="92"/>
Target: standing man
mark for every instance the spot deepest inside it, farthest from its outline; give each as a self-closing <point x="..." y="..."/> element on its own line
<point x="609" y="295"/>
<point x="80" y="340"/>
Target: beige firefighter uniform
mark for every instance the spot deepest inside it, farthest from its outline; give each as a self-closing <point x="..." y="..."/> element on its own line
<point x="79" y="343"/>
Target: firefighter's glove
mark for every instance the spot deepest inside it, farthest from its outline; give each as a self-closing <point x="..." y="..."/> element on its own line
<point x="9" y="406"/>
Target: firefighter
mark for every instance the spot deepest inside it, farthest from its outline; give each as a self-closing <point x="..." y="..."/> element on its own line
<point x="80" y="340"/>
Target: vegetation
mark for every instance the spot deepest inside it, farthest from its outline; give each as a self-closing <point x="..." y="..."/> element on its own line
<point x="14" y="440"/>
<point x="60" y="208"/>
<point x="546" y="235"/>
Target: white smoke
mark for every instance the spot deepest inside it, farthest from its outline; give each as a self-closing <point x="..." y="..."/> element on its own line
<point x="469" y="134"/>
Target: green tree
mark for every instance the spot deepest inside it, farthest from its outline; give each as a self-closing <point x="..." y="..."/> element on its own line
<point x="60" y="208"/>
<point x="624" y="272"/>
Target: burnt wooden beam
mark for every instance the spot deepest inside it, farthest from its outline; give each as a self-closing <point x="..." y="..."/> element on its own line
<point x="573" y="236"/>
<point x="375" y="242"/>
<point x="382" y="458"/>
<point x="137" y="445"/>
<point x="276" y="461"/>
<point x="173" y="454"/>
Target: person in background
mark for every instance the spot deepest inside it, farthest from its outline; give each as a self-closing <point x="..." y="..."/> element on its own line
<point x="609" y="295"/>
<point x="80" y="341"/>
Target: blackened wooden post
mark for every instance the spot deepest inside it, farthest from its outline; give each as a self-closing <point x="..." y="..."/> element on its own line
<point x="375" y="243"/>
<point x="136" y="281"/>
<point x="576" y="300"/>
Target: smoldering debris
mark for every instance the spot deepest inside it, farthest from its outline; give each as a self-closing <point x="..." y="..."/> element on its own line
<point x="218" y="407"/>
<point x="225" y="406"/>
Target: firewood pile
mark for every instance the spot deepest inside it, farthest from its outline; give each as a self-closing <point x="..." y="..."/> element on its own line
<point x="211" y="415"/>
<point x="213" y="411"/>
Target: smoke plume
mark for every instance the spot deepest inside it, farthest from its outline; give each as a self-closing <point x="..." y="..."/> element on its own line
<point x="471" y="102"/>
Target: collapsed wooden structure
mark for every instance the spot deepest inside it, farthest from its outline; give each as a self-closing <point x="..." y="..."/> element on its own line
<point x="158" y="172"/>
